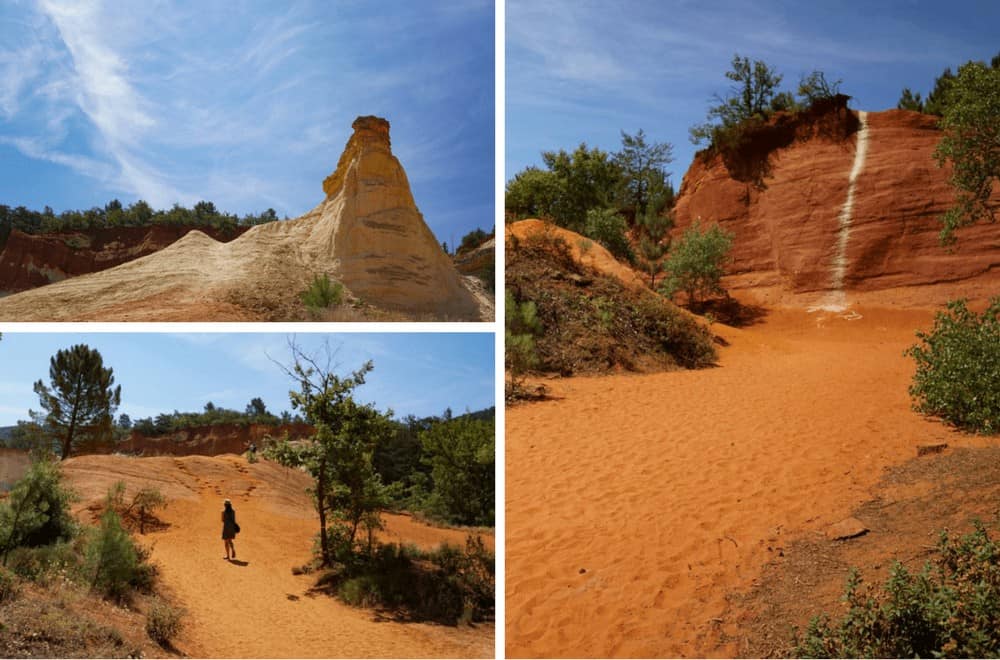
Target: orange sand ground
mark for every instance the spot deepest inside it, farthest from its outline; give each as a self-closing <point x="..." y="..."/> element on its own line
<point x="259" y="609"/>
<point x="636" y="502"/>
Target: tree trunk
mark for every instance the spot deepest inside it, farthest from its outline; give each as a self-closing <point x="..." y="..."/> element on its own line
<point x="68" y="442"/>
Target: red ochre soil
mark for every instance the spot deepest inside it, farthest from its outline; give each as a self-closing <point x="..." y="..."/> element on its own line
<point x="257" y="607"/>
<point x="637" y="503"/>
<point x="785" y="232"/>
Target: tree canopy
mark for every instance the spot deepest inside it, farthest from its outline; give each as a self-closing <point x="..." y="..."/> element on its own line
<point x="349" y="493"/>
<point x="754" y="87"/>
<point x="82" y="399"/>
<point x="971" y="143"/>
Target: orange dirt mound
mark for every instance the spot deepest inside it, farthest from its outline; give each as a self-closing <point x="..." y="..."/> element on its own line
<point x="636" y="503"/>
<point x="256" y="607"/>
<point x="586" y="251"/>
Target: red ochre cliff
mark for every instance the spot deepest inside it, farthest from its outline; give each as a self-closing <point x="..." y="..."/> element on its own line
<point x="791" y="223"/>
<point x="31" y="260"/>
<point x="210" y="440"/>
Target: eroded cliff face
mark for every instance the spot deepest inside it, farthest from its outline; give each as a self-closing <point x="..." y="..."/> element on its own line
<point x="32" y="260"/>
<point x="789" y="226"/>
<point x="211" y="440"/>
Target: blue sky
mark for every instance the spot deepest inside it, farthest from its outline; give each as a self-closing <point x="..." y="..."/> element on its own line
<point x="415" y="373"/>
<point x="244" y="103"/>
<point x="582" y="71"/>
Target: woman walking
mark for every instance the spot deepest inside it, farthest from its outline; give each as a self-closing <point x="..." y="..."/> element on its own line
<point x="229" y="529"/>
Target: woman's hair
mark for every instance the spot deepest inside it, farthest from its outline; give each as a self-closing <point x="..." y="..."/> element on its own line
<point x="229" y="505"/>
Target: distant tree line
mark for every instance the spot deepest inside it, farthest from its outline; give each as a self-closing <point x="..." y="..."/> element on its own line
<point x="255" y="413"/>
<point x="114" y="214"/>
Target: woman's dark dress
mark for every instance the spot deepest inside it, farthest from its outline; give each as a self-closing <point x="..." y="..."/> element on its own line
<point x="228" y="524"/>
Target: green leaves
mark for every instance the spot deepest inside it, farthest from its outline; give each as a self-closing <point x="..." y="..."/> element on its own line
<point x="81" y="402"/>
<point x="950" y="609"/>
<point x="462" y="455"/>
<point x="958" y="368"/>
<point x="755" y="85"/>
<point x="971" y="143"/>
<point x="695" y="262"/>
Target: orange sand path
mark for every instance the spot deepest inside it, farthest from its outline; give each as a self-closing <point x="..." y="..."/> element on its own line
<point x="257" y="608"/>
<point x="636" y="502"/>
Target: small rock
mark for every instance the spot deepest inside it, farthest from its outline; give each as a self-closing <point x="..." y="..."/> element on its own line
<point x="848" y="528"/>
<point x="582" y="571"/>
<point x="923" y="450"/>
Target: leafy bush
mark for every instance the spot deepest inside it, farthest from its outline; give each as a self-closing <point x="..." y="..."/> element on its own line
<point x="694" y="264"/>
<point x="9" y="586"/>
<point x="163" y="622"/>
<point x="950" y="610"/>
<point x="449" y="585"/>
<point x="323" y="293"/>
<point x="145" y="503"/>
<point x="958" y="368"/>
<point x="40" y="564"/>
<point x="361" y="591"/>
<point x="608" y="228"/>
<point x="462" y="456"/>
<point x="114" y="563"/>
<point x="37" y="510"/>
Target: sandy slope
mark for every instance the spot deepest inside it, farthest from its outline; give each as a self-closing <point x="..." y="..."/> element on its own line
<point x="636" y="502"/>
<point x="255" y="607"/>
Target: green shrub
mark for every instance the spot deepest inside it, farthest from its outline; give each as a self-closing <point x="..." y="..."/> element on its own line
<point x="447" y="585"/>
<point x="695" y="262"/>
<point x="958" y="368"/>
<point x="37" y="511"/>
<point x="163" y="622"/>
<point x="608" y="228"/>
<point x="144" y="505"/>
<point x="323" y="293"/>
<point x="9" y="586"/>
<point x="41" y="563"/>
<point x="361" y="591"/>
<point x="114" y="563"/>
<point x="952" y="609"/>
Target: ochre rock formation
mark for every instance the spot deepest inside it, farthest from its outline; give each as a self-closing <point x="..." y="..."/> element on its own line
<point x="477" y="260"/>
<point x="367" y="234"/>
<point x="210" y="440"/>
<point x="32" y="260"/>
<point x="786" y="229"/>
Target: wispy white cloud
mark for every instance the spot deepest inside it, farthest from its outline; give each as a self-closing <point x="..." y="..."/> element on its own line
<point x="247" y="104"/>
<point x="84" y="165"/>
